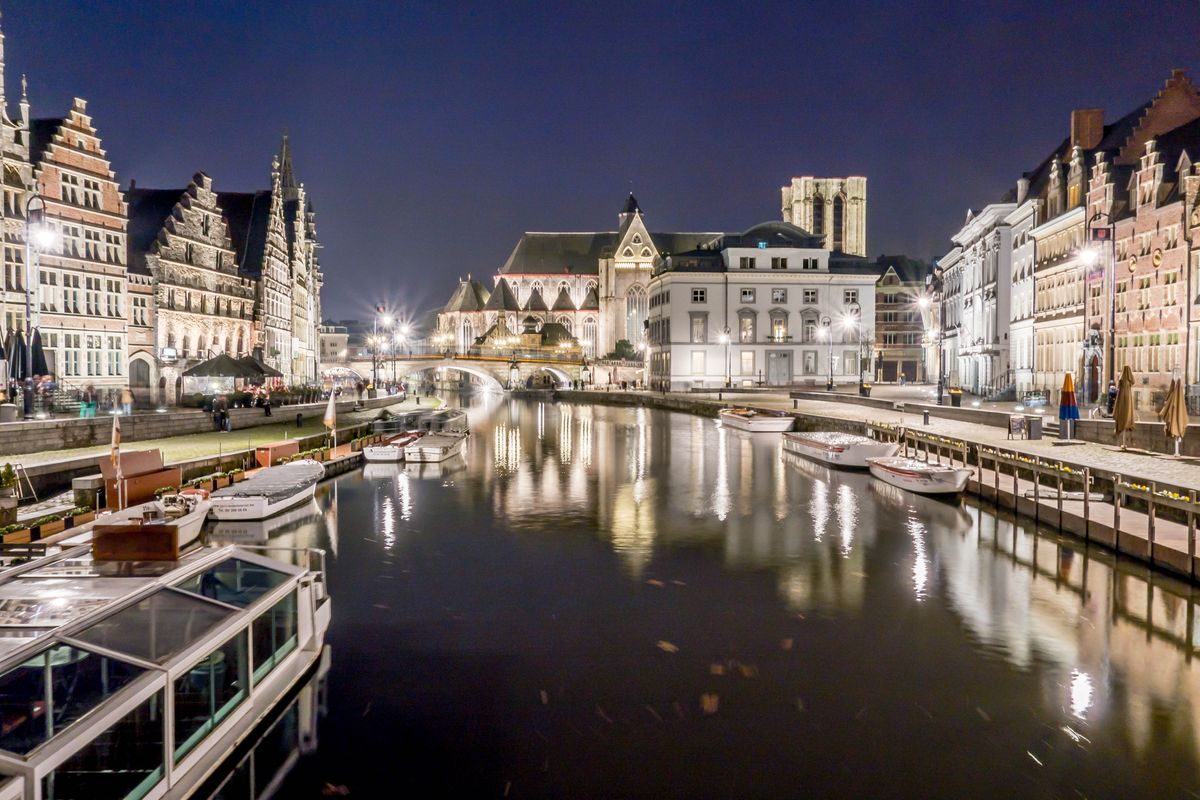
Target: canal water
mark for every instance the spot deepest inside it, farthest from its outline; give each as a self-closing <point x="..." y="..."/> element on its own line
<point x="608" y="602"/>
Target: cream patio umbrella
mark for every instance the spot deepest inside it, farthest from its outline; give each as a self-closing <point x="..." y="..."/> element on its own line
<point x="1174" y="413"/>
<point x="1123" y="409"/>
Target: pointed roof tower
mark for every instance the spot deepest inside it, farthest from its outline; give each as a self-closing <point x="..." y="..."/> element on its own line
<point x="535" y="301"/>
<point x="502" y="298"/>
<point x="628" y="213"/>
<point x="563" y="301"/>
<point x="591" y="301"/>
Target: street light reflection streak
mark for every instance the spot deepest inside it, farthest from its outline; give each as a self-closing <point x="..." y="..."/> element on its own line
<point x="388" y="522"/>
<point x="721" y="500"/>
<point x="847" y="516"/>
<point x="916" y="530"/>
<point x="639" y="459"/>
<point x="1082" y="693"/>
<point x="404" y="495"/>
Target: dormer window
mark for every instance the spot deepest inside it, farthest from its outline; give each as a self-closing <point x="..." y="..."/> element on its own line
<point x="628" y="252"/>
<point x="637" y="238"/>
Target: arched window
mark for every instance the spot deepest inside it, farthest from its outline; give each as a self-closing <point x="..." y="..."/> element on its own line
<point x="241" y="342"/>
<point x="201" y="346"/>
<point x="589" y="336"/>
<point x="185" y="349"/>
<point x="818" y="222"/>
<point x="565" y="321"/>
<point x="536" y="286"/>
<point x="839" y="216"/>
<point x="636" y="308"/>
<point x="591" y="285"/>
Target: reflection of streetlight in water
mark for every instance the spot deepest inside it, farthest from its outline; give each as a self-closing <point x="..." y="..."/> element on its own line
<point x="1082" y="693"/>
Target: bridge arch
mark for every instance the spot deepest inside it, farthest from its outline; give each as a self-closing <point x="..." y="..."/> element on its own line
<point x="488" y="378"/>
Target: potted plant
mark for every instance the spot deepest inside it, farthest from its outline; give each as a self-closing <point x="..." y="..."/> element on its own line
<point x="80" y="515"/>
<point x="221" y="480"/>
<point x="160" y="491"/>
<point x="237" y="475"/>
<point x="8" y="481"/>
<point x="50" y="525"/>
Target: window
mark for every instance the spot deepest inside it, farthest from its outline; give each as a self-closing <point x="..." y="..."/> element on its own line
<point x="141" y="311"/>
<point x="92" y="296"/>
<point x="699" y="328"/>
<point x="208" y="692"/>
<point x="839" y="214"/>
<point x="810" y="330"/>
<point x="779" y="296"/>
<point x="747" y="262"/>
<point x="91" y="245"/>
<point x="779" y="329"/>
<point x="778" y="263"/>
<point x="746" y="328"/>
<point x="698" y="367"/>
<point x="850" y="360"/>
<point x="818" y="226"/>
<point x="91" y="193"/>
<point x="72" y="241"/>
<point x="93" y="355"/>
<point x="274" y="635"/>
<point x="70" y="189"/>
<point x="810" y="296"/>
<point x="808" y="263"/>
<point x="747" y="295"/>
<point x="849" y="296"/>
<point x="747" y="362"/>
<point x="636" y="311"/>
<point x="112" y="248"/>
<point x="699" y="295"/>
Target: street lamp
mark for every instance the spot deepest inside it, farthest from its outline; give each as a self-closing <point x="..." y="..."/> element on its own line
<point x="826" y="332"/>
<point x="38" y="237"/>
<point x="724" y="339"/>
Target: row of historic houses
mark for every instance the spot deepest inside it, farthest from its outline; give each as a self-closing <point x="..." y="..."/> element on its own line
<point x="134" y="286"/>
<point x="1090" y="263"/>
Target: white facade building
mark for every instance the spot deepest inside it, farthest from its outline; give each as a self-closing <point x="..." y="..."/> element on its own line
<point x="976" y="277"/>
<point x="1021" y="349"/>
<point x="759" y="308"/>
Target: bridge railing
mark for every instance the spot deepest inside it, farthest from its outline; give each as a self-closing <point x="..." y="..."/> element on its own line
<point x="482" y="353"/>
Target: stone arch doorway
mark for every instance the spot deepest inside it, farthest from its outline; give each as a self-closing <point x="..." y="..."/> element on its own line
<point x="141" y="382"/>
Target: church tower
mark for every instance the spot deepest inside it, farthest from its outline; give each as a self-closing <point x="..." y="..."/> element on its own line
<point x="834" y="208"/>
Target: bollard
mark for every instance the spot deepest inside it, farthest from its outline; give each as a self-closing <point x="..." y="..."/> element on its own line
<point x="925" y="416"/>
<point x="299" y="419"/>
<point x="795" y="403"/>
<point x="718" y="396"/>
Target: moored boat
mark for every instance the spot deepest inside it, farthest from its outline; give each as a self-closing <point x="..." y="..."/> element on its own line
<point x="837" y="449"/>
<point x="920" y="476"/>
<point x="268" y="491"/>
<point x="158" y="530"/>
<point x="755" y="421"/>
<point x="392" y="450"/>
<point x="435" y="447"/>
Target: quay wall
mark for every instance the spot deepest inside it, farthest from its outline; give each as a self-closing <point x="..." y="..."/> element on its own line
<point x="36" y="436"/>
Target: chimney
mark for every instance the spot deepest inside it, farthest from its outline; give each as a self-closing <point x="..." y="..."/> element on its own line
<point x="1087" y="127"/>
<point x="1022" y="189"/>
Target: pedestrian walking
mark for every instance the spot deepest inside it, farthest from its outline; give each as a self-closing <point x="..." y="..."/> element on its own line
<point x="88" y="401"/>
<point x="266" y="401"/>
<point x="1112" y="397"/>
<point x="126" y="401"/>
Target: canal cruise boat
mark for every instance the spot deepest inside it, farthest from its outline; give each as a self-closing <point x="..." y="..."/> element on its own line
<point x="268" y="491"/>
<point x="920" y="476"/>
<point x="846" y="450"/>
<point x="392" y="450"/>
<point x="435" y="447"/>
<point x="128" y="679"/>
<point x="748" y="419"/>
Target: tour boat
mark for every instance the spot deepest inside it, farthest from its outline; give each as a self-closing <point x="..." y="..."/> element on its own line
<point x="268" y="491"/>
<point x="748" y="419"/>
<point x="435" y="447"/>
<point x="838" y="449"/>
<point x="155" y="531"/>
<point x="920" y="476"/>
<point x="392" y="450"/>
<point x="446" y="420"/>
<point x="137" y="679"/>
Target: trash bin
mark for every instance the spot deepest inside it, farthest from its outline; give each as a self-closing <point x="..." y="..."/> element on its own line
<point x="8" y="412"/>
<point x="925" y="416"/>
<point x="865" y="390"/>
<point x="1033" y="426"/>
<point x="956" y="397"/>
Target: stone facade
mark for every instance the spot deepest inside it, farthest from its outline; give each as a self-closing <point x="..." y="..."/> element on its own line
<point x="832" y="208"/>
<point x="899" y="329"/>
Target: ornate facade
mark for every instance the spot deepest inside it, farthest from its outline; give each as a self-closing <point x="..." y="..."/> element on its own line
<point x="832" y="208"/>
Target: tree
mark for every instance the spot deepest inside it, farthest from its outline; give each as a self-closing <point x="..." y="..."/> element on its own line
<point x="624" y="350"/>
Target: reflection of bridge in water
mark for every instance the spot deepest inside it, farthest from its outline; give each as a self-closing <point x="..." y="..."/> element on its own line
<point x="498" y="370"/>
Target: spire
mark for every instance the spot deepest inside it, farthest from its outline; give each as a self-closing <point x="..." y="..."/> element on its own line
<point x="3" y="98"/>
<point x="285" y="163"/>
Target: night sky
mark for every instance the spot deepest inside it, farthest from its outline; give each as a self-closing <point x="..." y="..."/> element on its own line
<point x="430" y="137"/>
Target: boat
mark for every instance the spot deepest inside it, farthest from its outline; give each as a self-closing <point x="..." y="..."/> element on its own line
<point x="159" y="530"/>
<point x="446" y="420"/>
<point x="920" y="476"/>
<point x="838" y="449"/>
<point x="392" y="450"/>
<point x="435" y="447"/>
<point x="268" y="491"/>
<point x="138" y="679"/>
<point x="262" y="531"/>
<point x="749" y="419"/>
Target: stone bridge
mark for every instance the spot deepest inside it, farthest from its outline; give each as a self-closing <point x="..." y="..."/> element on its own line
<point x="495" y="372"/>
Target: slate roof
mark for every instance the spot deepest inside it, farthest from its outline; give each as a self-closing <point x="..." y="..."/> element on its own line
<point x="631" y="205"/>
<point x="563" y="302"/>
<point x="553" y="333"/>
<point x="247" y="215"/>
<point x="591" y="301"/>
<point x="469" y="296"/>
<point x="908" y="270"/>
<point x="148" y="212"/>
<point x="774" y="233"/>
<point x="41" y="133"/>
<point x="843" y="264"/>
<point x="535" y="301"/>
<point x="502" y="298"/>
<point x="580" y="253"/>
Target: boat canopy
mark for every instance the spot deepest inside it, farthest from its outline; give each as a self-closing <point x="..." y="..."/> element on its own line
<point x="276" y="483"/>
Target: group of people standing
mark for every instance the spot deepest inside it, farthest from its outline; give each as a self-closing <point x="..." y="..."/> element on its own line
<point x="90" y="398"/>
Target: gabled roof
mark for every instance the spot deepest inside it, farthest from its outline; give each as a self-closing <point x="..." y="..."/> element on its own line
<point x="247" y="215"/>
<point x="535" y="301"/>
<point x="553" y="333"/>
<point x="908" y="270"/>
<point x="591" y="301"/>
<point x="469" y="296"/>
<point x="41" y="133"/>
<point x="563" y="302"/>
<point x="502" y="298"/>
<point x="580" y="253"/>
<point x="148" y="213"/>
<point x="775" y="233"/>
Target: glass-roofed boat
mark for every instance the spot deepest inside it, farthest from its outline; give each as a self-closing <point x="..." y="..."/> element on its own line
<point x="136" y="679"/>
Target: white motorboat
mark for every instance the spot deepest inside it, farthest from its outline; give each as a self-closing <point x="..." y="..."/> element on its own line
<point x="392" y="450"/>
<point x="116" y="665"/>
<point x="919" y="476"/>
<point x="838" y="449"/>
<point x="435" y="447"/>
<point x="268" y="491"/>
<point x="262" y="531"/>
<point x="749" y="419"/>
<point x="155" y="531"/>
<point x="446" y="420"/>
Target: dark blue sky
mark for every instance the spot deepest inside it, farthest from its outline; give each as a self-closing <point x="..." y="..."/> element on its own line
<point x="430" y="136"/>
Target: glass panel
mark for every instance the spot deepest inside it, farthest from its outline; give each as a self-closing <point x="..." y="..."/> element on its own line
<point x="47" y="602"/>
<point x="236" y="582"/>
<point x="206" y="694"/>
<point x="156" y="627"/>
<point x="274" y="635"/>
<point x="45" y="694"/>
<point x="126" y="761"/>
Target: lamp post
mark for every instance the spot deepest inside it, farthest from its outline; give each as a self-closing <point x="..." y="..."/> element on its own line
<point x="724" y="339"/>
<point x="826" y="332"/>
<point x="38" y="236"/>
<point x="584" y="374"/>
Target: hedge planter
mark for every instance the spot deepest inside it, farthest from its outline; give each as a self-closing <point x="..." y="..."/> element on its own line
<point x="51" y="528"/>
<point x="19" y="536"/>
<point x="80" y="519"/>
<point x="238" y="476"/>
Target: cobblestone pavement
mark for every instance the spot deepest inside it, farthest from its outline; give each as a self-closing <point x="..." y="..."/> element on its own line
<point x="178" y="448"/>
<point x="1155" y="467"/>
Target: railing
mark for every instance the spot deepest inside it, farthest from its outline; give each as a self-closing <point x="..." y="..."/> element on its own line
<point x="312" y="559"/>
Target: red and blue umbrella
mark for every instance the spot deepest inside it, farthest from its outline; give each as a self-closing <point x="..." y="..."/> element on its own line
<point x="1068" y="406"/>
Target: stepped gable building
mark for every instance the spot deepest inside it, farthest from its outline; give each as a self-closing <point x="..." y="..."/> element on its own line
<point x="179" y="239"/>
<point x="834" y="209"/>
<point x="899" y="330"/>
<point x="83" y="279"/>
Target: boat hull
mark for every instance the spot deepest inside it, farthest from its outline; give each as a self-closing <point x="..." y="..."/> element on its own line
<point x="431" y="451"/>
<point x="258" y="507"/>
<point x="923" y="479"/>
<point x="383" y="454"/>
<point x="759" y="423"/>
<point x="127" y="539"/>
<point x="850" y="455"/>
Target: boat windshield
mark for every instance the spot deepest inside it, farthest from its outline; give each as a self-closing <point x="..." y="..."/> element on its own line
<point x="156" y="627"/>
<point x="234" y="581"/>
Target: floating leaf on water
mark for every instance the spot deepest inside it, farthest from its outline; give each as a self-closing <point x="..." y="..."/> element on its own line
<point x="709" y="703"/>
<point x="982" y="714"/>
<point x="679" y="583"/>
<point x="545" y="697"/>
<point x="800" y="704"/>
<point x="748" y="670"/>
<point x="667" y="647"/>
<point x="786" y="644"/>
<point x="716" y="669"/>
<point x="655" y="582"/>
<point x="600" y="713"/>
<point x="653" y="713"/>
<point x="329" y="790"/>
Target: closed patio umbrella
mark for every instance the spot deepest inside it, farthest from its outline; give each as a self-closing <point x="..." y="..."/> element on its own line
<point x="40" y="367"/>
<point x="1174" y="413"/>
<point x="16" y="346"/>
<point x="1123" y="409"/>
<point x="1068" y="406"/>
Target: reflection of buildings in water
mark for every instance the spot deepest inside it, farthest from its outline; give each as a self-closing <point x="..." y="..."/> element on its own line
<point x="565" y="432"/>
<point x="276" y="745"/>
<point x="506" y="448"/>
<point x="297" y="527"/>
<point x="437" y="470"/>
<point x="633" y="529"/>
<point x="328" y="502"/>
